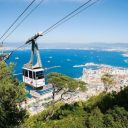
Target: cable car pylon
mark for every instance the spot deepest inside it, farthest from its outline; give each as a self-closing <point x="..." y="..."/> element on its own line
<point x="33" y="75"/>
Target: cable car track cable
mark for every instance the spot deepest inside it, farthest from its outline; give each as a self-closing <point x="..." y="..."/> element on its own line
<point x="24" y="19"/>
<point x="17" y="19"/>
<point x="68" y="18"/>
<point x="68" y="15"/>
<point x="63" y="20"/>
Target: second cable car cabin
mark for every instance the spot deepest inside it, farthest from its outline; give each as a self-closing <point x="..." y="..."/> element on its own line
<point x="34" y="75"/>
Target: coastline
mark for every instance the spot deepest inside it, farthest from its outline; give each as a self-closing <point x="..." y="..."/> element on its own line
<point x="84" y="49"/>
<point x="94" y="87"/>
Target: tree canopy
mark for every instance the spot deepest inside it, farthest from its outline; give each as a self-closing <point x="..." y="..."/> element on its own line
<point x="67" y="84"/>
<point x="102" y="111"/>
<point x="12" y="93"/>
<point x="107" y="80"/>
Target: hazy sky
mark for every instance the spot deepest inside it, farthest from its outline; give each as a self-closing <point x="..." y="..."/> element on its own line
<point x="106" y="21"/>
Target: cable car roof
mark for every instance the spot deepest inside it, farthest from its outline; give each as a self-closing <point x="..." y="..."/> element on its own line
<point x="35" y="70"/>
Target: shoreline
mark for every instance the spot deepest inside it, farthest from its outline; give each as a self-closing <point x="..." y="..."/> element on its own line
<point x="94" y="84"/>
<point x="82" y="49"/>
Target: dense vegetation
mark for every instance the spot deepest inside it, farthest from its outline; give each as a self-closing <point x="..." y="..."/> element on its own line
<point x="103" y="111"/>
<point x="11" y="94"/>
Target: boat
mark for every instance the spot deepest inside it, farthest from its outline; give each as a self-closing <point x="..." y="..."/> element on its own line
<point x="17" y="58"/>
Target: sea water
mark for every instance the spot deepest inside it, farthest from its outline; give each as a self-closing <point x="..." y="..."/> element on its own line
<point x="69" y="62"/>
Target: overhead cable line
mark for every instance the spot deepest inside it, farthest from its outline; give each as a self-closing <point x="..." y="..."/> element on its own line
<point x="70" y="17"/>
<point x="17" y="19"/>
<point x="41" y="1"/>
<point x="66" y="18"/>
<point x="11" y="52"/>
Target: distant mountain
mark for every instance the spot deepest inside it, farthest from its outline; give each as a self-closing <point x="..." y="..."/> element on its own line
<point x="117" y="46"/>
<point x="85" y="45"/>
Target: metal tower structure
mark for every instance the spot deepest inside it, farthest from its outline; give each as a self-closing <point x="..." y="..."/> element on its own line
<point x="34" y="50"/>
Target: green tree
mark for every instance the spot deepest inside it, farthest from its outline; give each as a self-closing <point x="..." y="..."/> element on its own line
<point x="107" y="80"/>
<point x="94" y="119"/>
<point x="109" y="112"/>
<point x="12" y="93"/>
<point x="64" y="83"/>
<point x="116" y="118"/>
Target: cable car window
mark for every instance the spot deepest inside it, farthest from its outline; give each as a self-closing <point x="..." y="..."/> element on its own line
<point x="30" y="74"/>
<point x="39" y="75"/>
<point x="34" y="75"/>
<point x="25" y="73"/>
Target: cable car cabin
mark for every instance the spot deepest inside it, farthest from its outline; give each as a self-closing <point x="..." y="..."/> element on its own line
<point x="34" y="77"/>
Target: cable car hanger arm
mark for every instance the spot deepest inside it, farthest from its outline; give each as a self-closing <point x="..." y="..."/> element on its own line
<point x="34" y="37"/>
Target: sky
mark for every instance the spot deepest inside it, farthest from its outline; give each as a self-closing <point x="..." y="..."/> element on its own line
<point x="105" y="22"/>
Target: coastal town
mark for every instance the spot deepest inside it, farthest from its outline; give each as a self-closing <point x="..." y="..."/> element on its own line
<point x="92" y="78"/>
